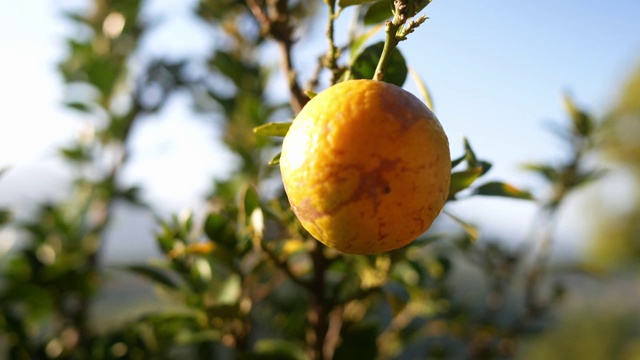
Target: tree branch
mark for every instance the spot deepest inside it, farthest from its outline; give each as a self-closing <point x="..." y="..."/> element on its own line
<point x="275" y="24"/>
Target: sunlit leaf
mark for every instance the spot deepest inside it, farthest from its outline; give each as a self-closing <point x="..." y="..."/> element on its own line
<point x="582" y="122"/>
<point x="364" y="66"/>
<point x="439" y="267"/>
<point x="273" y="129"/>
<point x="310" y="94"/>
<point x="496" y="188"/>
<point x="272" y="349"/>
<point x="357" y="44"/>
<point x="230" y="290"/>
<point x="185" y="220"/>
<point x="463" y="179"/>
<point x="471" y="230"/>
<point x="201" y="273"/>
<point x="275" y="160"/>
<point x="470" y="155"/>
<point x="196" y="337"/>
<point x="422" y="86"/>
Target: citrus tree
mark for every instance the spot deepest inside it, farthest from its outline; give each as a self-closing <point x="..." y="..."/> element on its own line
<point x="335" y="264"/>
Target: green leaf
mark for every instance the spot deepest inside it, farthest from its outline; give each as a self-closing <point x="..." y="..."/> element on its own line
<point x="496" y="188"/>
<point x="589" y="176"/>
<point x="358" y="342"/>
<point x="273" y="129"/>
<point x="77" y="154"/>
<point x="217" y="229"/>
<point x="153" y="273"/>
<point x="582" y="122"/>
<point x="471" y="230"/>
<point x="166" y="238"/>
<point x="422" y="86"/>
<point x="76" y="17"/>
<point x="378" y="12"/>
<point x="103" y="74"/>
<point x="425" y="240"/>
<point x="547" y="171"/>
<point x="82" y="107"/>
<point x="310" y="94"/>
<point x="244" y="75"/>
<point x="250" y="201"/>
<point x="276" y="349"/>
<point x="416" y="6"/>
<point x="201" y="273"/>
<point x="485" y="165"/>
<point x="230" y="289"/>
<point x="275" y="160"/>
<point x="364" y="66"/>
<point x="215" y="226"/>
<point x="197" y="337"/>
<point x="470" y="156"/>
<point x="345" y="3"/>
<point x="357" y="44"/>
<point x="458" y="161"/>
<point x="5" y="216"/>
<point x="463" y="179"/>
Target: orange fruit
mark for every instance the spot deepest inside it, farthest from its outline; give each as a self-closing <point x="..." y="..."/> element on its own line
<point x="366" y="167"/>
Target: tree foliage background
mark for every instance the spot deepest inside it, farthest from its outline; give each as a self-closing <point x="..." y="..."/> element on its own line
<point x="243" y="280"/>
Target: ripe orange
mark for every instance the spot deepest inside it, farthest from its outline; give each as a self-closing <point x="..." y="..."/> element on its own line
<point x="366" y="167"/>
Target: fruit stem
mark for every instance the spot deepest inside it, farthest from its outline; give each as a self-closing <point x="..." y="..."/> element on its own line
<point x="391" y="38"/>
<point x="390" y="43"/>
<point x="396" y="32"/>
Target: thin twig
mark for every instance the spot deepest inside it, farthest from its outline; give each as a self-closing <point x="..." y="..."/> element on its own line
<point x="276" y="24"/>
<point x="284" y="266"/>
<point x="332" y="53"/>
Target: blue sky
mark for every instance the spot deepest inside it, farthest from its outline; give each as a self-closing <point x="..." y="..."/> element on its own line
<point x="497" y="70"/>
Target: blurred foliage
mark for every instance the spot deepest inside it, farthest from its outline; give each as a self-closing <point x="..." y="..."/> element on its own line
<point x="616" y="241"/>
<point x="244" y="280"/>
